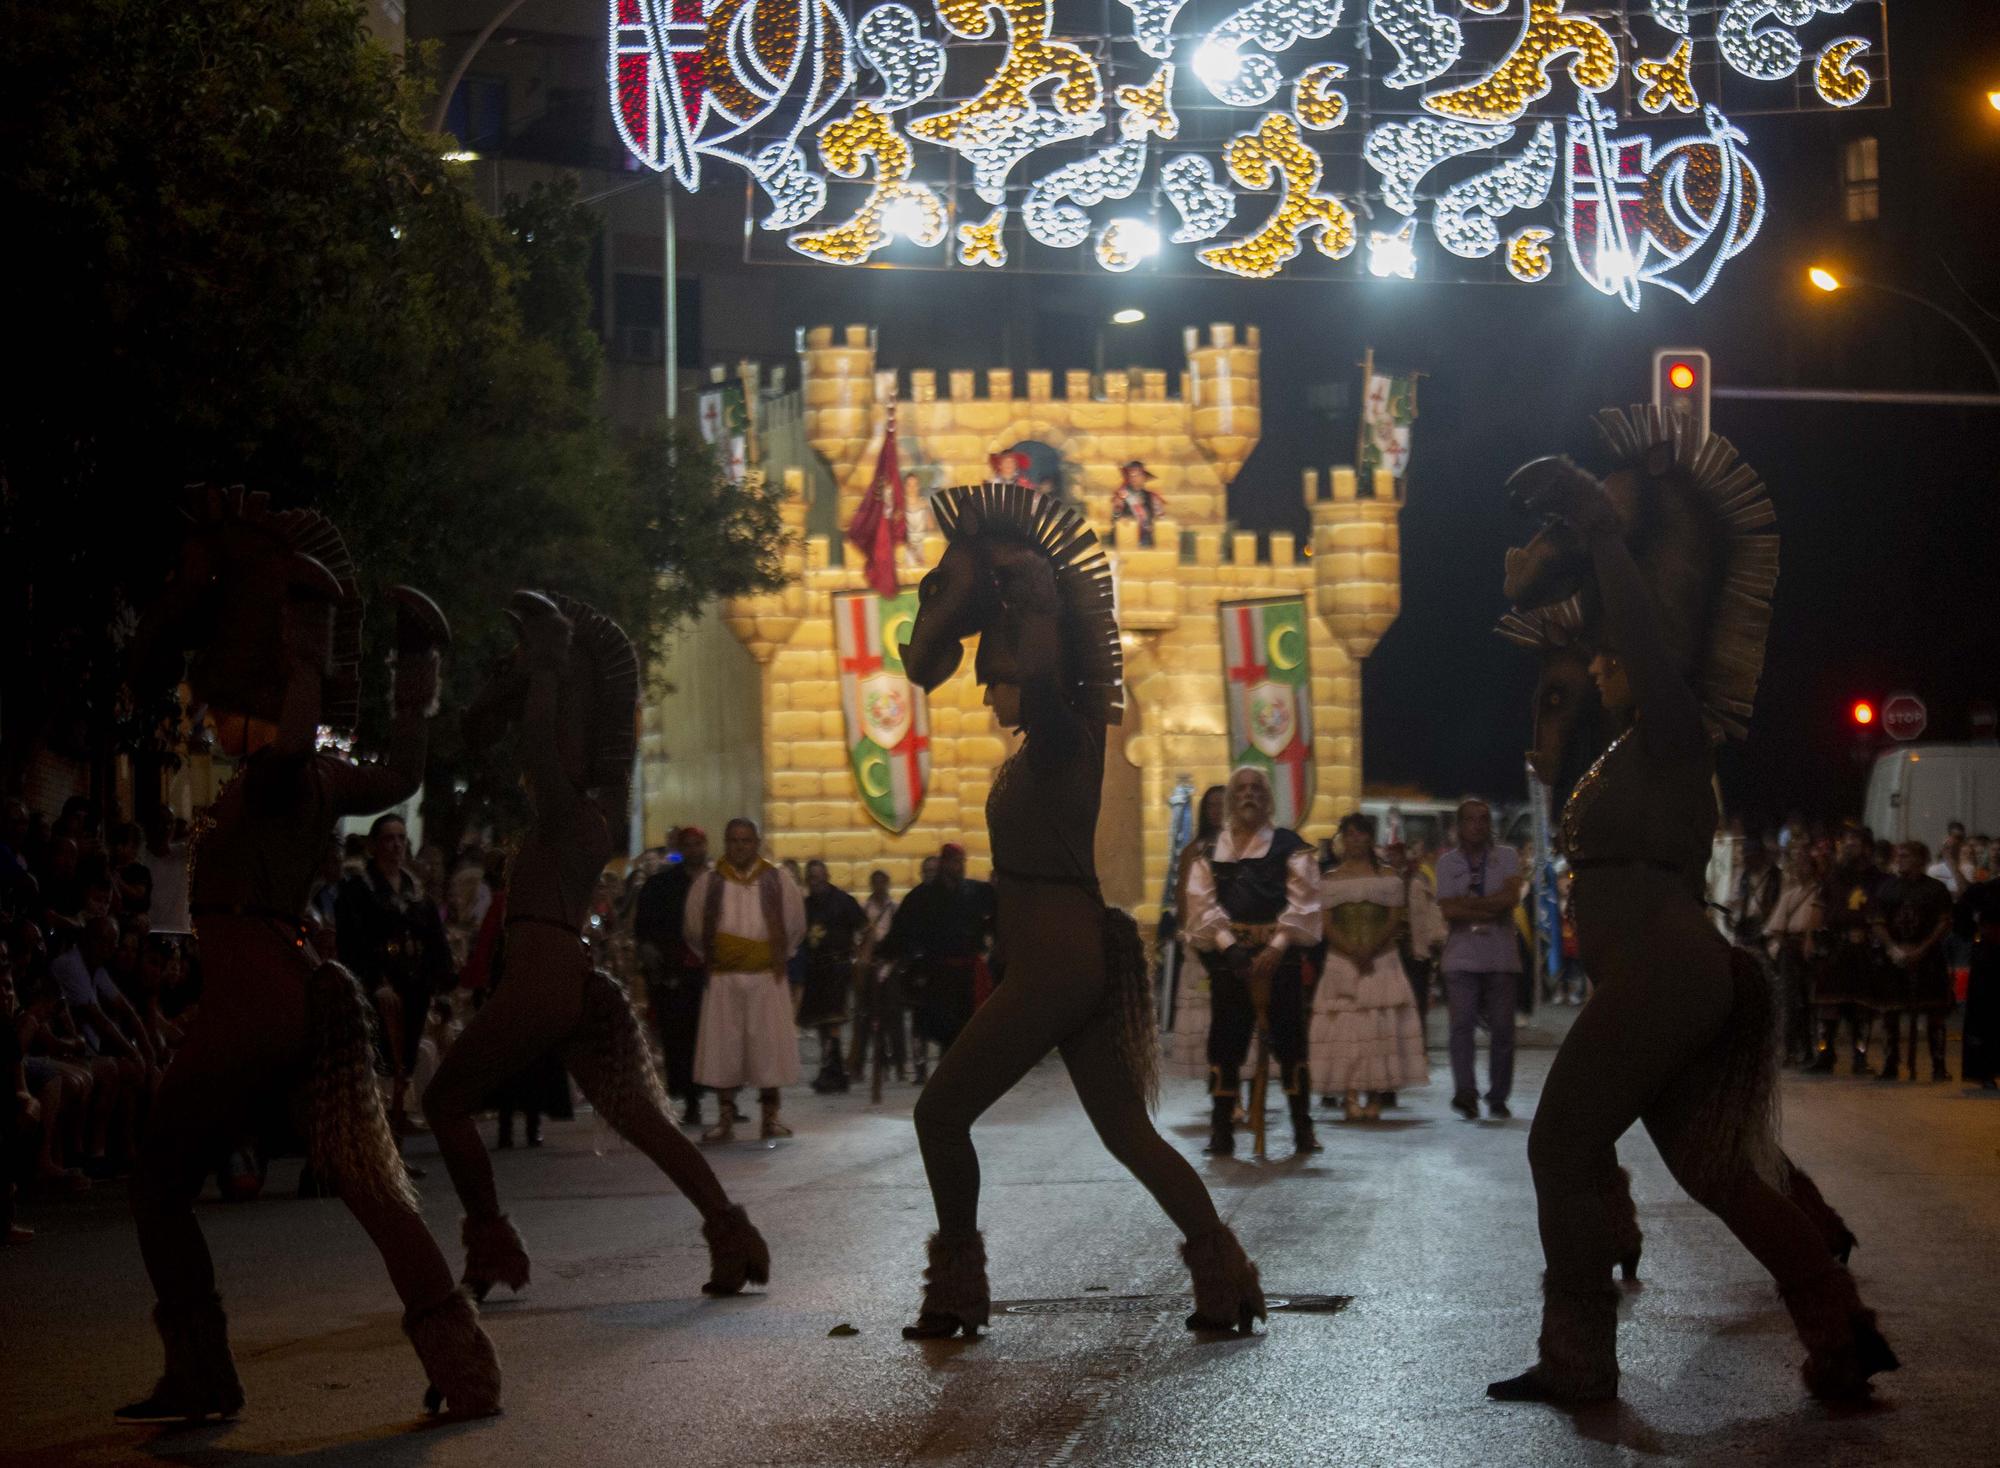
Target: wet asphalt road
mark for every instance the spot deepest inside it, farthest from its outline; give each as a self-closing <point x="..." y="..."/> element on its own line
<point x="613" y="1356"/>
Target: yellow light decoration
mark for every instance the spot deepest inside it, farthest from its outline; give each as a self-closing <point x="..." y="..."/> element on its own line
<point x="1668" y="82"/>
<point x="1031" y="59"/>
<point x="914" y="210"/>
<point x="1838" y="81"/>
<point x="1486" y="7"/>
<point x="1150" y="109"/>
<point x="1528" y="256"/>
<point x="1523" y="77"/>
<point x="1255" y="160"/>
<point x="982" y="243"/>
<point x="1314" y="101"/>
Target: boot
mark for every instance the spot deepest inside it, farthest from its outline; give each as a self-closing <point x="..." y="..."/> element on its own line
<point x="1303" y="1139"/>
<point x="772" y="1129"/>
<point x="1228" y="1295"/>
<point x="1222" y="1127"/>
<point x="458" y="1358"/>
<point x="736" y="1253"/>
<point x="1843" y="1347"/>
<point x="1578" y="1345"/>
<point x="724" y="1129"/>
<point x="200" y="1380"/>
<point x="495" y="1253"/>
<point x="956" y="1299"/>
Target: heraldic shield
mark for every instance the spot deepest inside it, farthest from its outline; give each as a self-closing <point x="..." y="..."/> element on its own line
<point x="1266" y="660"/>
<point x="887" y="720"/>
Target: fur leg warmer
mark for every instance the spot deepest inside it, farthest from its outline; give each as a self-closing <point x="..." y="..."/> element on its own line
<point x="1578" y="1345"/>
<point x="1843" y="1346"/>
<point x="495" y="1253"/>
<point x="737" y="1253"/>
<point x="200" y="1379"/>
<point x="1228" y="1294"/>
<point x="956" y="1297"/>
<point x="458" y="1357"/>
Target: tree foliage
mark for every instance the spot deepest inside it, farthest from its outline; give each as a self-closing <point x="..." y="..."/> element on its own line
<point x="242" y="258"/>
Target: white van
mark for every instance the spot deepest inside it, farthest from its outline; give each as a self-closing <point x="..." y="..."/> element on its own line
<point x="1916" y="790"/>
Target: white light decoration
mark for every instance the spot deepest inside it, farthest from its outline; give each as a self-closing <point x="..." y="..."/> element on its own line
<point x="891" y="40"/>
<point x="1673" y="215"/>
<point x="1111" y="174"/>
<point x="1153" y="23"/>
<point x="1427" y="43"/>
<point x="1768" y="53"/>
<point x="796" y="192"/>
<point x="995" y="143"/>
<point x="1205" y="206"/>
<point x="1150" y="109"/>
<point x="1529" y="258"/>
<point x="1672" y="14"/>
<point x="1839" y="82"/>
<point x="1031" y="58"/>
<point x="655" y="73"/>
<point x="1393" y="255"/>
<point x="1464" y="218"/>
<point x="1315" y="103"/>
<point x="1124" y="243"/>
<point x="984" y="243"/>
<point x="1403" y="152"/>
<point x="1273" y="25"/>
<point x="753" y="96"/>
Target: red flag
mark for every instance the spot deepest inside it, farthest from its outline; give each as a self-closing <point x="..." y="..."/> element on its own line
<point x="879" y="526"/>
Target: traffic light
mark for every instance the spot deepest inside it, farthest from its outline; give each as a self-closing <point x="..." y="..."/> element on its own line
<point x="1681" y="384"/>
<point x="1863" y="714"/>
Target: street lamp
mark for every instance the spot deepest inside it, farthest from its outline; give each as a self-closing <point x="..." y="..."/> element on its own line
<point x="1993" y="99"/>
<point x="1827" y="281"/>
<point x="1130" y="316"/>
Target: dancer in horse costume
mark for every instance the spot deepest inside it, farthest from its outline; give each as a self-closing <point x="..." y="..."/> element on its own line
<point x="1672" y="587"/>
<point x="572" y="685"/>
<point x="1031" y="581"/>
<point x="268" y="604"/>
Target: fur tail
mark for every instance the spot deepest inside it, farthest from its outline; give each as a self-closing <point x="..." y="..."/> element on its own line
<point x="1131" y="989"/>
<point x="347" y="1135"/>
<point x="1738" y="1122"/>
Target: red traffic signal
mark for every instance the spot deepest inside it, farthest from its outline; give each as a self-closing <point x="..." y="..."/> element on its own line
<point x="1681" y="384"/>
<point x="1863" y="713"/>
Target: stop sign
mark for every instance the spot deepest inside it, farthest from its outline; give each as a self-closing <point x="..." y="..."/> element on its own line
<point x="1905" y="717"/>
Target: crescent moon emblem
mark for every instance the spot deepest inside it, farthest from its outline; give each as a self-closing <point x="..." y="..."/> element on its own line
<point x="892" y="625"/>
<point x="868" y="787"/>
<point x="1276" y="644"/>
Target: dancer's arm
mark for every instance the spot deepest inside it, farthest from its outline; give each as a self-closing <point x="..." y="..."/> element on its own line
<point x="365" y="788"/>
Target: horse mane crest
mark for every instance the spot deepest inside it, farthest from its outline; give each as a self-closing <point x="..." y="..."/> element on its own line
<point x="612" y="688"/>
<point x="968" y="512"/>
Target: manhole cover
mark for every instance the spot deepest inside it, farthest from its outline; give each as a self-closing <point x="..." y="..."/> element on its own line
<point x="1160" y="1304"/>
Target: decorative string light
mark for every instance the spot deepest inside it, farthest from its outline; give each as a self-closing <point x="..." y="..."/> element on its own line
<point x="1672" y="14"/>
<point x="1205" y="206"/>
<point x="1668" y="82"/>
<point x="894" y="206"/>
<point x="1393" y="255"/>
<point x="657" y="82"/>
<point x="1427" y="44"/>
<point x="1152" y="24"/>
<point x="1463" y="219"/>
<point x="757" y="52"/>
<point x="1315" y="102"/>
<point x="1110" y="174"/>
<point x="1839" y="82"/>
<point x="1150" y="109"/>
<point x="1256" y="161"/>
<point x="983" y="243"/>
<point x="1529" y="258"/>
<point x="1274" y="25"/>
<point x="994" y="142"/>
<point x="1767" y="53"/>
<point x="1031" y="58"/>
<point x="1403" y="152"/>
<point x="796" y="192"/>
<point x="1123" y="243"/>
<point x="1522" y="78"/>
<point x="891" y="40"/>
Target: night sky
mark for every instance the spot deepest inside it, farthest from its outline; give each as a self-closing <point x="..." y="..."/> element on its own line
<point x="1890" y="518"/>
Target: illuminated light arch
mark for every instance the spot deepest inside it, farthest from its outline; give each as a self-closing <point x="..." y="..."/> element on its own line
<point x="1768" y="52"/>
<point x="1464" y="218"/>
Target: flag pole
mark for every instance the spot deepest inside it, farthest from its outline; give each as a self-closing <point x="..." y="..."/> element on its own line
<point x="1361" y="417"/>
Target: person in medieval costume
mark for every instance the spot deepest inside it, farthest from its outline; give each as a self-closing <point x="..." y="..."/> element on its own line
<point x="1680" y="1030"/>
<point x="674" y="977"/>
<point x="1366" y="1036"/>
<point x="268" y="602"/>
<point x="939" y="936"/>
<point x="1192" y="1005"/>
<point x="1254" y="915"/>
<point x="1033" y="584"/>
<point x="572" y="686"/>
<point x="746" y="918"/>
<point x="835" y="924"/>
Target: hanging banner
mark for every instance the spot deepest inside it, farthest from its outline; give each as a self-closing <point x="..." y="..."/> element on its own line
<point x="1388" y="408"/>
<point x="725" y="427"/>
<point x="887" y="720"/>
<point x="1265" y="657"/>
